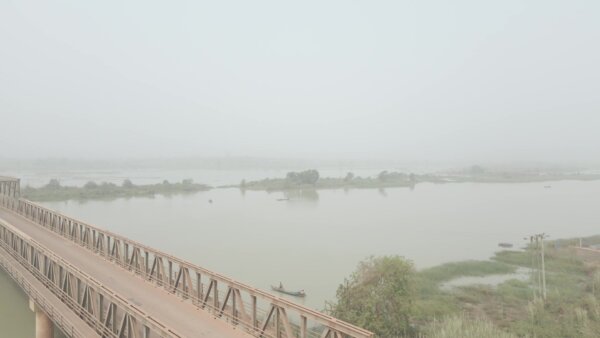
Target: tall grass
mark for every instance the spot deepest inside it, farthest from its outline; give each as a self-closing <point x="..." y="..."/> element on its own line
<point x="461" y="326"/>
<point x="448" y="271"/>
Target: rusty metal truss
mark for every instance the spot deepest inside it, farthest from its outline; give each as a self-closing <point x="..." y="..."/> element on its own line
<point x="101" y="308"/>
<point x="47" y="304"/>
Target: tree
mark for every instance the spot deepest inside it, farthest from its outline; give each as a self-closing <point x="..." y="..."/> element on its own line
<point x="127" y="184"/>
<point x="53" y="184"/>
<point x="383" y="176"/>
<point x="303" y="177"/>
<point x="378" y="296"/>
<point x="349" y="177"/>
<point x="309" y="176"/>
<point x="90" y="185"/>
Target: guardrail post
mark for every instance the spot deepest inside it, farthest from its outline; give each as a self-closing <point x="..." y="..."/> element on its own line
<point x="303" y="324"/>
<point x="254" y="317"/>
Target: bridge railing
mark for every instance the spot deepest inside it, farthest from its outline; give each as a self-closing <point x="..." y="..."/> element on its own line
<point x="40" y="300"/>
<point x="101" y="308"/>
<point x="258" y="312"/>
<point x="10" y="192"/>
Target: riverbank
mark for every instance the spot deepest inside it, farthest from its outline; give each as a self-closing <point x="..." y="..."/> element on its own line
<point x="294" y="182"/>
<point x="54" y="191"/>
<point x="572" y="306"/>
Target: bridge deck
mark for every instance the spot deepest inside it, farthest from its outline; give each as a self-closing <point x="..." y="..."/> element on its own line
<point x="156" y="302"/>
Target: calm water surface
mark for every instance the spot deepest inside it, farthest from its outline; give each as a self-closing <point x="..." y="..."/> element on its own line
<point x="315" y="239"/>
<point x="16" y="320"/>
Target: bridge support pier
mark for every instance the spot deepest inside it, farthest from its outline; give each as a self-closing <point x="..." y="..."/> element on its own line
<point x="44" y="328"/>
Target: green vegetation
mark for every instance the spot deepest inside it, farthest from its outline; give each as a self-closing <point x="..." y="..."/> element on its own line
<point x="433" y="302"/>
<point x="448" y="271"/>
<point x="513" y="308"/>
<point x="306" y="182"/>
<point x="310" y="179"/>
<point x="54" y="191"/>
<point x="464" y="327"/>
<point x="379" y="296"/>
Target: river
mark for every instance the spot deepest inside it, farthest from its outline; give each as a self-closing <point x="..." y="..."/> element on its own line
<point x="314" y="240"/>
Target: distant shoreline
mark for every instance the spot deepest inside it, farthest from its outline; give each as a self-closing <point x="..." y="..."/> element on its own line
<point x="53" y="191"/>
<point x="294" y="181"/>
<point x="396" y="179"/>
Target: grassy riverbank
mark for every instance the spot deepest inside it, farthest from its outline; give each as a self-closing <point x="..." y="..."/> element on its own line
<point x="572" y="307"/>
<point x="389" y="297"/>
<point x="53" y="191"/>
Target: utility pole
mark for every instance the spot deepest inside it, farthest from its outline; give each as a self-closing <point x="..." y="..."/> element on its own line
<point x="543" y="270"/>
<point x="533" y="265"/>
<point x="538" y="266"/>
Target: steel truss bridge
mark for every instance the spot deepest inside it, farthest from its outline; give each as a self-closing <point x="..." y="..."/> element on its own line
<point x="91" y="282"/>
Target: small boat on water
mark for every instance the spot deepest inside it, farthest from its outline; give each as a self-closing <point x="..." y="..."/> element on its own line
<point x="281" y="289"/>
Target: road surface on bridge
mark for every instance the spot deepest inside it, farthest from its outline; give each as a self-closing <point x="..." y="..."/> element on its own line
<point x="184" y="318"/>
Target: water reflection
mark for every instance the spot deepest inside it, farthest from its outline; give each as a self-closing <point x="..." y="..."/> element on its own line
<point x="522" y="274"/>
<point x="302" y="196"/>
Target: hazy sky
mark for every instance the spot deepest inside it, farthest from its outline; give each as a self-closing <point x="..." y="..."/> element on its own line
<point x="415" y="80"/>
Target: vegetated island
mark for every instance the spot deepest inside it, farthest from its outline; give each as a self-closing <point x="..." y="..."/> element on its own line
<point x="310" y="179"/>
<point x="54" y="191"/>
<point x="409" y="303"/>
